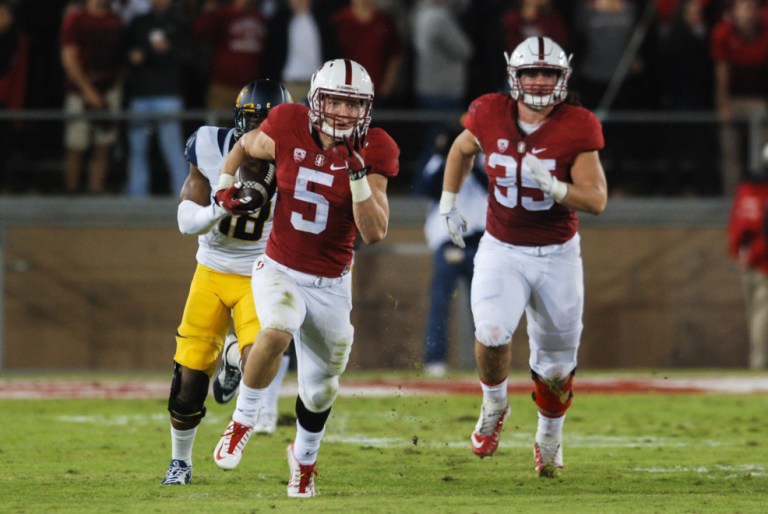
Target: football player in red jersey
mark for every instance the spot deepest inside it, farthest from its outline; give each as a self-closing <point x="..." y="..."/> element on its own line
<point x="543" y="165"/>
<point x="332" y="173"/>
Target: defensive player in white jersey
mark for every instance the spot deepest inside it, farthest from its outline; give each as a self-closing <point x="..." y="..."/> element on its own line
<point x="543" y="165"/>
<point x="221" y="287"/>
<point x="332" y="174"/>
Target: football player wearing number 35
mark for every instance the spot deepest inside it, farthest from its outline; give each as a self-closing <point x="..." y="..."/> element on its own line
<point x="543" y="165"/>
<point x="220" y="291"/>
<point x="332" y="174"/>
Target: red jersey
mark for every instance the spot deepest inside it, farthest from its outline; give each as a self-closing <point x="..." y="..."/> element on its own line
<point x="371" y="44"/>
<point x="313" y="228"/>
<point x="98" y="40"/>
<point x="549" y="23"/>
<point x="13" y="81"/>
<point x="747" y="241"/>
<point x="747" y="57"/>
<point x="238" y="38"/>
<point x="519" y="212"/>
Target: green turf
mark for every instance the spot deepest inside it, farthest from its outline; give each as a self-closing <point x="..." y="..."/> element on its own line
<point x="623" y="453"/>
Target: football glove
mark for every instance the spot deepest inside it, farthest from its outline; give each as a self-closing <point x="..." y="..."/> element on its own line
<point x="547" y="182"/>
<point x="453" y="219"/>
<point x="352" y="152"/>
<point x="226" y="195"/>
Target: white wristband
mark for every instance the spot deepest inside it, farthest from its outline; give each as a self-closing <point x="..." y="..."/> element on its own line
<point x="225" y="181"/>
<point x="361" y="190"/>
<point x="559" y="190"/>
<point x="447" y="201"/>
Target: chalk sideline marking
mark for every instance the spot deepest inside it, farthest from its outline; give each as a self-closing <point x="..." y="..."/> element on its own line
<point x="145" y="389"/>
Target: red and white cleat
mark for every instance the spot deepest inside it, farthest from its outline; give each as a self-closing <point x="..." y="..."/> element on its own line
<point x="302" y="481"/>
<point x="548" y="459"/>
<point x="229" y="451"/>
<point x="485" y="438"/>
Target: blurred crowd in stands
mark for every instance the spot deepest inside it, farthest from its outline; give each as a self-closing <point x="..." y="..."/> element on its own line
<point x="158" y="56"/>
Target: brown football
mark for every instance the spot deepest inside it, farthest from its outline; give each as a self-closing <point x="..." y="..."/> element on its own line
<point x="257" y="181"/>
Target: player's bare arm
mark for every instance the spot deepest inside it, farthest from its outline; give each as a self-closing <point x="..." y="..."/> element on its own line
<point x="252" y="145"/>
<point x="457" y="166"/>
<point x="196" y="187"/>
<point x="372" y="215"/>
<point x="196" y="214"/>
<point x="459" y="161"/>
<point x="588" y="192"/>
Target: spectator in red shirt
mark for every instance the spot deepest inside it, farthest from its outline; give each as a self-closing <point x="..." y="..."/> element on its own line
<point x="91" y="57"/>
<point x="369" y="36"/>
<point x="236" y="33"/>
<point x="534" y="18"/>
<point x="739" y="47"/>
<point x="748" y="247"/>
<point x="14" y="54"/>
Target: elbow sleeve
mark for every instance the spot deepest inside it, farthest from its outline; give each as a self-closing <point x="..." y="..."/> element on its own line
<point x="195" y="219"/>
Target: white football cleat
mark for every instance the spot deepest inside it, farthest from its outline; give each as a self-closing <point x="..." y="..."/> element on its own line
<point x="548" y="459"/>
<point x="485" y="438"/>
<point x="302" y="481"/>
<point x="229" y="451"/>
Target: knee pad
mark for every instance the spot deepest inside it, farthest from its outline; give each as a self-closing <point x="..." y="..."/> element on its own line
<point x="310" y="421"/>
<point x="189" y="408"/>
<point x="319" y="396"/>
<point x="553" y="396"/>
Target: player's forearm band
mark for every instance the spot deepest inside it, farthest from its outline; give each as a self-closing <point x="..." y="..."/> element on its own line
<point x="448" y="200"/>
<point x="361" y="190"/>
<point x="225" y="180"/>
<point x="195" y="219"/>
<point x="559" y="191"/>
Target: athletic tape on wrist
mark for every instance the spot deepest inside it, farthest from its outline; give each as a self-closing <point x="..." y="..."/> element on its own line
<point x="225" y="181"/>
<point x="361" y="190"/>
<point x="559" y="190"/>
<point x="447" y="201"/>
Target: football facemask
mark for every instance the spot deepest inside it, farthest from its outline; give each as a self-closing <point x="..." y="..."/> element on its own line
<point x="538" y="54"/>
<point x="346" y="80"/>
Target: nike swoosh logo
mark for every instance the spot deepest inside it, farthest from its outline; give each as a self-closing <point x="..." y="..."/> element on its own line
<point x="475" y="443"/>
<point x="342" y="167"/>
<point x="537" y="150"/>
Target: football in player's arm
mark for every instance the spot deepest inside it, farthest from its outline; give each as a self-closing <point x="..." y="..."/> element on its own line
<point x="543" y="165"/>
<point x="332" y="174"/>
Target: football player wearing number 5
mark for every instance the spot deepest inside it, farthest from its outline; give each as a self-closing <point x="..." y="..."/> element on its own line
<point x="221" y="287"/>
<point x="332" y="174"/>
<point x="543" y="165"/>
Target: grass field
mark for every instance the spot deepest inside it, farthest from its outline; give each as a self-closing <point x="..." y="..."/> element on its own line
<point x="624" y="452"/>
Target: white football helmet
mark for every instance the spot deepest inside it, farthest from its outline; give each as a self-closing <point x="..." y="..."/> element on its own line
<point x="538" y="53"/>
<point x="342" y="78"/>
